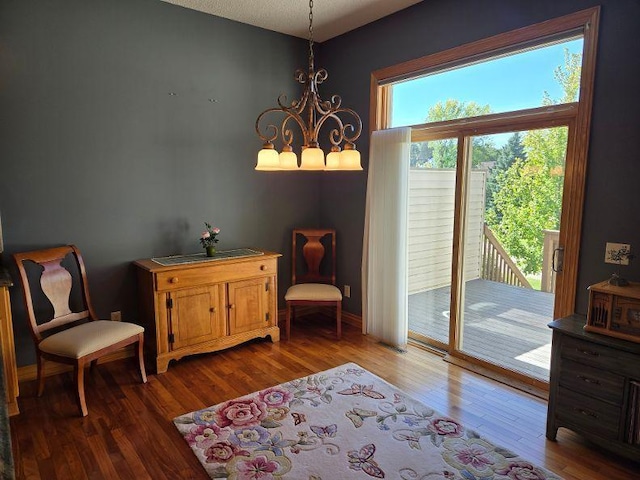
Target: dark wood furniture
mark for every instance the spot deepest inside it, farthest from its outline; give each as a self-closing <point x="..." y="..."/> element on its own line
<point x="594" y="388"/>
<point x="313" y="282"/>
<point x="208" y="305"/>
<point x="63" y="337"/>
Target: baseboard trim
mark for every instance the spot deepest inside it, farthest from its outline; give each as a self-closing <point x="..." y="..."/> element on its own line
<point x="347" y="317"/>
<point x="28" y="373"/>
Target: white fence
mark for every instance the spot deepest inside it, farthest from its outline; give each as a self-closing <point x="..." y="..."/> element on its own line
<point x="430" y="236"/>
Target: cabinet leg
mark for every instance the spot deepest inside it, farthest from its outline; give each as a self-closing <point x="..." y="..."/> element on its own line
<point x="161" y="365"/>
<point x="552" y="431"/>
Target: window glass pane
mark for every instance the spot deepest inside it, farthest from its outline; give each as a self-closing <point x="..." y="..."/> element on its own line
<point x="432" y="185"/>
<point x="546" y="75"/>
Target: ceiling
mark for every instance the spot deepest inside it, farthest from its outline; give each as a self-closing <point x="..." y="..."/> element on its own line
<point x="330" y="17"/>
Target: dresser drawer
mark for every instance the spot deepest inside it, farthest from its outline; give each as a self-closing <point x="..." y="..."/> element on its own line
<point x="191" y="277"/>
<point x="599" y="356"/>
<point x="582" y="413"/>
<point x="592" y="381"/>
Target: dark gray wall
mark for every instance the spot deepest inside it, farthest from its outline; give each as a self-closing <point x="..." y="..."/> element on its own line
<point x="95" y="151"/>
<point x="612" y="204"/>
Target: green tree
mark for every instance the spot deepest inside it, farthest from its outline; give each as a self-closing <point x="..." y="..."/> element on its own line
<point x="528" y="195"/>
<point x="445" y="152"/>
<point x="507" y="154"/>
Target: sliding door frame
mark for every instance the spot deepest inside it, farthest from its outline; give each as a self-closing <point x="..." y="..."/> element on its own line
<point x="576" y="116"/>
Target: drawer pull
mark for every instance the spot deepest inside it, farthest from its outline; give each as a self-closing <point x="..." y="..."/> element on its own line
<point x="586" y="413"/>
<point x="588" y="352"/>
<point x="174" y="280"/>
<point x="263" y="267"/>
<point x="588" y="380"/>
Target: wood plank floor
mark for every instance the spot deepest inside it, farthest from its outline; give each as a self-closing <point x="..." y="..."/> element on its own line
<point x="503" y="324"/>
<point x="129" y="433"/>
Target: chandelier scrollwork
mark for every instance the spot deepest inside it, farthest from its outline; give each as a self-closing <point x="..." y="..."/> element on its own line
<point x="310" y="113"/>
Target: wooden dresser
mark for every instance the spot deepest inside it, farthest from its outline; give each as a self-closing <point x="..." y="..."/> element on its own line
<point x="208" y="305"/>
<point x="7" y="342"/>
<point x="594" y="387"/>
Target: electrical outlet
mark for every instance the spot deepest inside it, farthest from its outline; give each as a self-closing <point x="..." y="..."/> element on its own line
<point x="347" y="291"/>
<point x="116" y="316"/>
<point x="618" y="253"/>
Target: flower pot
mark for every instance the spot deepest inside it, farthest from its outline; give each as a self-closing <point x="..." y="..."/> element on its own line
<point x="211" y="251"/>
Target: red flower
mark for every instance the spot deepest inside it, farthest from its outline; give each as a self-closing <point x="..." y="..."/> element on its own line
<point x="241" y="413"/>
<point x="222" y="452"/>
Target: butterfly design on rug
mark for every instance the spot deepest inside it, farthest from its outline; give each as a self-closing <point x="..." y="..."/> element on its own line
<point x="357" y="416"/>
<point x="324" y="432"/>
<point x="360" y="390"/>
<point x="363" y="460"/>
<point x="298" y="418"/>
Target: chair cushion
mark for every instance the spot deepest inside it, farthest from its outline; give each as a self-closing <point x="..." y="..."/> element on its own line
<point x="88" y="338"/>
<point x="313" y="292"/>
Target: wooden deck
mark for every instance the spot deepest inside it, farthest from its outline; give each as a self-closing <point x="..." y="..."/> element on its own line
<point x="503" y="324"/>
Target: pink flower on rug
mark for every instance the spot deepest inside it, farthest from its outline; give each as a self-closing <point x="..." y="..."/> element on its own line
<point x="222" y="452"/>
<point x="275" y="396"/>
<point x="257" y="468"/>
<point x="203" y="436"/>
<point x="261" y="465"/>
<point x="522" y="471"/>
<point x="241" y="413"/>
<point x="475" y="455"/>
<point x="446" y="426"/>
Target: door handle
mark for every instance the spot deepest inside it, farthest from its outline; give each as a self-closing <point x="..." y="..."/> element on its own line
<point x="557" y="260"/>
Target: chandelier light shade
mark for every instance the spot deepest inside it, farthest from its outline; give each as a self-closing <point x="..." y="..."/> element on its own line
<point x="310" y="113"/>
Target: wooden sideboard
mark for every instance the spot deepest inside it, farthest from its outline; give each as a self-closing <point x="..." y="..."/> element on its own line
<point x="594" y="387"/>
<point x="208" y="305"/>
<point x="7" y="344"/>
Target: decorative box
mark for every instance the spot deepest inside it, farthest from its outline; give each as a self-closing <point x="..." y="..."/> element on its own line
<point x="614" y="310"/>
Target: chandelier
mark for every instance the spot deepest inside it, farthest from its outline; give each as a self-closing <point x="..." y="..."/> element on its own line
<point x="310" y="113"/>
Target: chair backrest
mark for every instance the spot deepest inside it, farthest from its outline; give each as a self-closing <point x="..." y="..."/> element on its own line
<point x="56" y="283"/>
<point x="307" y="260"/>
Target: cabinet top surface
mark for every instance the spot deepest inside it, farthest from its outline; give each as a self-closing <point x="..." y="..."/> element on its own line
<point x="632" y="290"/>
<point x="573" y="325"/>
<point x="153" y="266"/>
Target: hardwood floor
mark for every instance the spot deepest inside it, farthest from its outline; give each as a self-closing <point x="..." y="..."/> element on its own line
<point x="129" y="433"/>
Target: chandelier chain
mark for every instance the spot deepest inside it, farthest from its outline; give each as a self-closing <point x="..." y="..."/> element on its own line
<point x="311" y="30"/>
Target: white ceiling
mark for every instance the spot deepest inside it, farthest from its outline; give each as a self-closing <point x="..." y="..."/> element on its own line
<point x="330" y="17"/>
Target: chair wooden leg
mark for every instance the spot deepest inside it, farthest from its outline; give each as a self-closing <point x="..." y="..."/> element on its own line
<point x="339" y="319"/>
<point x="78" y="371"/>
<point x="287" y="321"/>
<point x="140" y="356"/>
<point x="40" y="367"/>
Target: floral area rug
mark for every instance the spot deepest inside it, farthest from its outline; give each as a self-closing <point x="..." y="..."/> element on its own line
<point x="343" y="423"/>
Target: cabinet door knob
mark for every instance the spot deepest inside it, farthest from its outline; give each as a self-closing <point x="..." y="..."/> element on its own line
<point x="174" y="280"/>
<point x="232" y="306"/>
<point x="263" y="267"/>
<point x="212" y="309"/>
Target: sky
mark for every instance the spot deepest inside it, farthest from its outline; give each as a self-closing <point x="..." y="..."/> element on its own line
<point x="511" y="83"/>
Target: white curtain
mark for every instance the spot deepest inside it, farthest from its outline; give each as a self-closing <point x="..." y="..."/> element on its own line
<point x="384" y="256"/>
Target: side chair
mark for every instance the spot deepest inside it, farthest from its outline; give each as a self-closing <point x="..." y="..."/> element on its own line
<point x="313" y="274"/>
<point x="74" y="337"/>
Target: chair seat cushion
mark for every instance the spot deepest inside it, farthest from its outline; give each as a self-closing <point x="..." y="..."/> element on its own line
<point x="314" y="292"/>
<point x="88" y="338"/>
